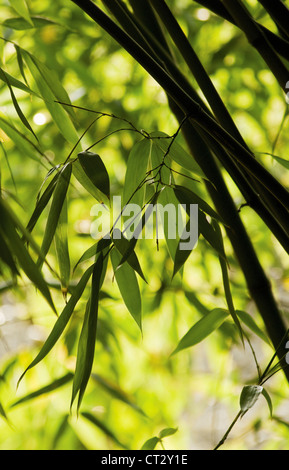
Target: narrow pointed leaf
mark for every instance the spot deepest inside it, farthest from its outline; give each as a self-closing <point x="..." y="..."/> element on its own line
<point x="62" y="249"/>
<point x="21" y="7"/>
<point x="128" y="286"/>
<point x="136" y="169"/>
<point x="95" y="171"/>
<point x="203" y="328"/>
<point x="44" y="390"/>
<point x="249" y="396"/>
<point x="62" y="320"/>
<point x="268" y="400"/>
<point x="187" y="196"/>
<point x="122" y="244"/>
<point x="103" y="427"/>
<point x="86" y="344"/>
<point x="151" y="443"/>
<point x="58" y="199"/>
<point x="167" y="432"/>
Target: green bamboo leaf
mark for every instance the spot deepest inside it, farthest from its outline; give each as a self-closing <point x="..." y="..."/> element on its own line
<point x="21" y="7"/>
<point x="93" y="250"/>
<point x="56" y="384"/>
<point x="128" y="286"/>
<point x="7" y="257"/>
<point x="59" y="196"/>
<point x="177" y="153"/>
<point x="42" y="203"/>
<point x="20" y="24"/>
<point x="151" y="443"/>
<point x="116" y="392"/>
<point x="249" y="321"/>
<point x="86" y="344"/>
<point x="14" y="82"/>
<point x="17" y="247"/>
<point x="62" y="320"/>
<point x="187" y="196"/>
<point x="167" y="432"/>
<point x="226" y="280"/>
<point x="95" y="170"/>
<point x="51" y="91"/>
<point x="137" y="166"/>
<point x="268" y="400"/>
<point x="103" y="427"/>
<point x="5" y="78"/>
<point x="182" y="255"/>
<point x="203" y="328"/>
<point x="62" y="249"/>
<point x="249" y="396"/>
<point x="122" y="245"/>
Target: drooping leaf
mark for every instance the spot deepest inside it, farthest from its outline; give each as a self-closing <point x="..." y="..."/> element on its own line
<point x="51" y="387"/>
<point x="116" y="392"/>
<point x="17" y="247"/>
<point x="86" y="344"/>
<point x="250" y="322"/>
<point x="269" y="401"/>
<point x="128" y="286"/>
<point x="187" y="196"/>
<point x="203" y="328"/>
<point x="137" y="166"/>
<point x="93" y="250"/>
<point x="122" y="244"/>
<point x="151" y="443"/>
<point x="42" y="203"/>
<point x="19" y="111"/>
<point x="62" y="249"/>
<point x="58" y="199"/>
<point x="62" y="320"/>
<point x="103" y="427"/>
<point x="249" y="396"/>
<point x="21" y="7"/>
<point x="95" y="170"/>
<point x="51" y="90"/>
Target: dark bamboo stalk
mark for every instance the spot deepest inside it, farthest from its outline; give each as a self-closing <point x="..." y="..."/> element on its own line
<point x="258" y="40"/>
<point x="279" y="13"/>
<point x="280" y="45"/>
<point x="256" y="279"/>
<point x="190" y="107"/>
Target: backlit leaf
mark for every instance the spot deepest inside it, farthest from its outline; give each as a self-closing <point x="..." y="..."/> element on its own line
<point x="95" y="171"/>
<point x="203" y="328"/>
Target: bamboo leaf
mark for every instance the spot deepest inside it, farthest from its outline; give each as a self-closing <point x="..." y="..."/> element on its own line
<point x="62" y="320"/>
<point x="167" y="432"/>
<point x="13" y="240"/>
<point x="203" y="328"/>
<point x="93" y="250"/>
<point x="95" y="170"/>
<point x="268" y="400"/>
<point x="122" y="245"/>
<point x="58" y="199"/>
<point x="151" y="443"/>
<point x="137" y="166"/>
<point x="187" y="196"/>
<point x="21" y="7"/>
<point x="42" y="203"/>
<point x="103" y="427"/>
<point x="249" y="396"/>
<point x="249" y="321"/>
<point x="44" y="390"/>
<point x="86" y="344"/>
<point x="51" y="90"/>
<point x="128" y="286"/>
<point x="62" y="249"/>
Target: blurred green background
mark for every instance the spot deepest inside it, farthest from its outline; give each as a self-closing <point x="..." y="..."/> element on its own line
<point x="137" y="388"/>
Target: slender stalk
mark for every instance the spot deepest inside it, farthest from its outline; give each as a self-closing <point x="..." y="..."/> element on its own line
<point x="280" y="45"/>
<point x="190" y="107"/>
<point x="182" y="104"/>
<point x="279" y="12"/>
<point x="224" y="438"/>
<point x="258" y="40"/>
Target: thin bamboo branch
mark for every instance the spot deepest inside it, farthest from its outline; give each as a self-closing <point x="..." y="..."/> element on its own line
<point x="254" y="200"/>
<point x="258" y="40"/>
